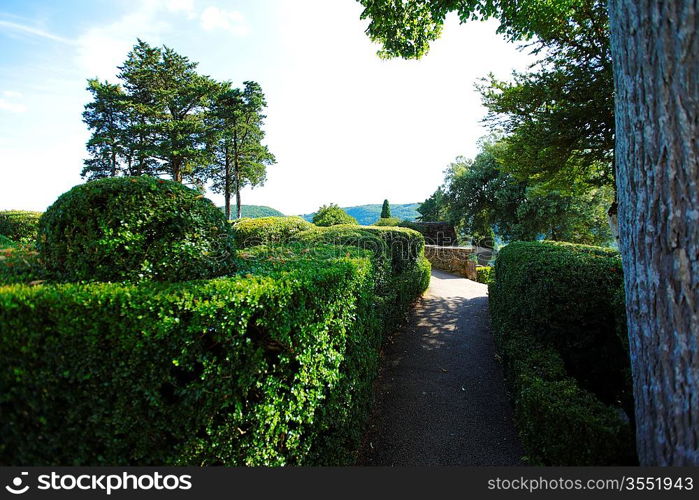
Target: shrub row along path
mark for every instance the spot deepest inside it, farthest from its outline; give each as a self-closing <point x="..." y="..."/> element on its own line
<point x="440" y="397"/>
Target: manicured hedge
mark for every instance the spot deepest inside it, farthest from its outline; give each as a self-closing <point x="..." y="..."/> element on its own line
<point x="19" y="225"/>
<point x="556" y="317"/>
<point x="226" y="371"/>
<point x="271" y="366"/>
<point x="485" y="274"/>
<point x="267" y="230"/>
<point x="20" y="264"/>
<point x="401" y="245"/>
<point x="6" y="242"/>
<point x="134" y="228"/>
<point x="387" y="221"/>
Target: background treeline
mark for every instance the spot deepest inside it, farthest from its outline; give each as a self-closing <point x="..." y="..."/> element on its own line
<point x="165" y="119"/>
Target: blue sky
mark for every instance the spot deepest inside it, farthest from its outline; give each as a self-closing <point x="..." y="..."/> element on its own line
<point x="346" y="127"/>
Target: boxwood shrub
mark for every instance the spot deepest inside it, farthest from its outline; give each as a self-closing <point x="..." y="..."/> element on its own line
<point x="134" y="228"/>
<point x="387" y="221"/>
<point x="226" y="371"/>
<point x="403" y="247"/>
<point x="19" y="225"/>
<point x="267" y="230"/>
<point x="557" y="322"/>
<point x="271" y="366"/>
<point x="485" y="274"/>
<point x="6" y="242"/>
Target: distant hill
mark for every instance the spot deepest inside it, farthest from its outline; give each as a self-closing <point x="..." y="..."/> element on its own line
<point x="255" y="211"/>
<point x="368" y="214"/>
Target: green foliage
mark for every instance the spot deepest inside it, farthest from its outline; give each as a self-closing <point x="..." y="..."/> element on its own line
<point x="331" y="215"/>
<point x="387" y="221"/>
<point x="556" y="302"/>
<point x="559" y="117"/>
<point x="134" y="228"/>
<point x="154" y="121"/>
<point x="402" y="247"/>
<point x="240" y="158"/>
<point x="273" y="366"/>
<point x="405" y="28"/>
<point x="485" y="274"/>
<point x="385" y="210"/>
<point x="433" y="208"/>
<point x="483" y="200"/>
<point x="367" y="215"/>
<point x="6" y="242"/>
<point x="19" y="225"/>
<point x="267" y="230"/>
<point x="559" y="422"/>
<point x="19" y="263"/>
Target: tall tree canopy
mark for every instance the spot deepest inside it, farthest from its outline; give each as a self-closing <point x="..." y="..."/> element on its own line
<point x="164" y="118"/>
<point x="171" y="98"/>
<point x="240" y="158"/>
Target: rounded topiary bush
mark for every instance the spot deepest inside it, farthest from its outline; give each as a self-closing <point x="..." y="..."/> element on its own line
<point x="134" y="228"/>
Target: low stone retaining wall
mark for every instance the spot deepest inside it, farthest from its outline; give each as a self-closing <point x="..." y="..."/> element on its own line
<point x="455" y="260"/>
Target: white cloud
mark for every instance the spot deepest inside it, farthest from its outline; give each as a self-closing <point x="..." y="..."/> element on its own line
<point x="8" y="102"/>
<point x="31" y="30"/>
<point x="186" y="6"/>
<point x="102" y="48"/>
<point x="213" y="18"/>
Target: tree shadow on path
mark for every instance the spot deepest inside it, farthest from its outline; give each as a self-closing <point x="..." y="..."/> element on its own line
<point x="440" y="397"/>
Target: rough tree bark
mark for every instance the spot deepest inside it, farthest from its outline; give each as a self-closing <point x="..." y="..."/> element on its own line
<point x="655" y="48"/>
<point x="227" y="183"/>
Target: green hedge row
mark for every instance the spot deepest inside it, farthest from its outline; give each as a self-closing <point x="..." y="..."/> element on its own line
<point x="19" y="225"/>
<point x="271" y="366"/>
<point x="557" y="321"/>
<point x="404" y="247"/>
<point x="267" y="230"/>
<point x="485" y="274"/>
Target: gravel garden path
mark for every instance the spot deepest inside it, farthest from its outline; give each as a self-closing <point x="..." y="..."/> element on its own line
<point x="440" y="397"/>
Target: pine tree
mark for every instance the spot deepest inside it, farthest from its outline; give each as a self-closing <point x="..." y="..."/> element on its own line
<point x="240" y="159"/>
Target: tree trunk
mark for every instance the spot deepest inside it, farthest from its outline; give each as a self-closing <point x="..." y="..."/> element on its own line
<point x="176" y="171"/>
<point x="227" y="184"/>
<point x="114" y="164"/>
<point x="613" y="219"/>
<point x="655" y="48"/>
<point x="238" y="205"/>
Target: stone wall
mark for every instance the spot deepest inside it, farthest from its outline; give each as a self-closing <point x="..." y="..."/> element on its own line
<point x="455" y="260"/>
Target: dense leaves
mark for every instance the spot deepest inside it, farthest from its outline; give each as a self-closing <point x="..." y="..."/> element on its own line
<point x="134" y="228"/>
<point x="267" y="230"/>
<point x="331" y="215"/>
<point x="273" y="366"/>
<point x="385" y="210"/>
<point x="484" y="200"/>
<point x="19" y="225"/>
<point x="164" y="118"/>
<point x="556" y="321"/>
